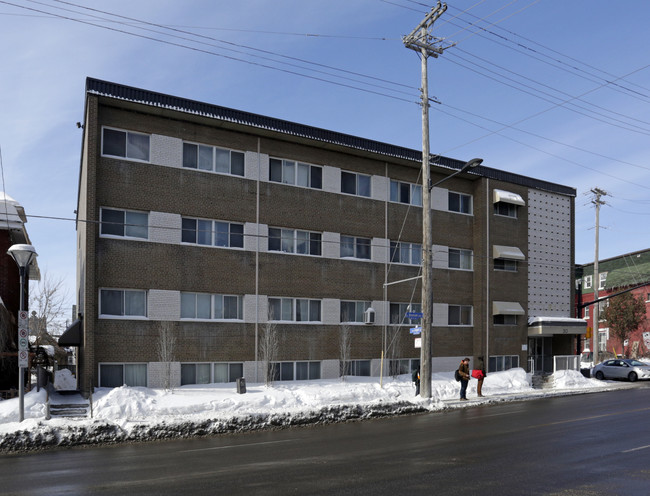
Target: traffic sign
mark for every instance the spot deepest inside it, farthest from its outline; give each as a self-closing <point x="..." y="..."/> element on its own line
<point x="413" y="315"/>
<point x="418" y="342"/>
<point x="416" y="330"/>
<point x="23" y="359"/>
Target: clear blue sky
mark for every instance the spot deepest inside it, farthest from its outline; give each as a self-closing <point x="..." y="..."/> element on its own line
<point x="559" y="91"/>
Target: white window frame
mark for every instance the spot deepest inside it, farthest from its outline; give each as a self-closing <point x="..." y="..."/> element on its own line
<point x="128" y="227"/>
<point x="358" y="316"/>
<point x="124" y="304"/>
<point x="214" y="166"/>
<point x="124" y="365"/>
<point x="461" y="196"/>
<point x="214" y="233"/>
<point x="505" y="320"/>
<point x="460" y="309"/>
<point x="127" y="134"/>
<point x="292" y="236"/>
<point x="588" y="282"/>
<point x="511" y="210"/>
<point x="291" y="304"/>
<point x="415" y="192"/>
<point x="602" y="279"/>
<point x="293" y="179"/>
<point x="500" y="362"/>
<point x="357" y="242"/>
<point x="463" y="255"/>
<point x="402" y="309"/>
<point x="506" y="265"/>
<point x="357" y="185"/>
<point x="282" y="366"/>
<point x="214" y="305"/>
<point x="405" y="253"/>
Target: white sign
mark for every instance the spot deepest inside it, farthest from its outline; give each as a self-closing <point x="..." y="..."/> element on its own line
<point x="418" y="342"/>
<point x="23" y="359"/>
<point x="646" y="339"/>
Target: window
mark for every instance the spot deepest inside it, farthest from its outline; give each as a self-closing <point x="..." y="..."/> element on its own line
<point x="505" y="319"/>
<point x="506" y="209"/>
<point x="408" y="193"/>
<point x="459" y="202"/>
<point x="586" y="314"/>
<point x="122" y="303"/>
<point x="406" y="253"/>
<point x="460" y="315"/>
<point x="352" y="247"/>
<point x="213" y="159"/>
<point x="353" y="311"/>
<point x="398" y="313"/>
<point x="294" y="310"/>
<point x="294" y="241"/>
<point x="503" y="362"/>
<point x="125" y="144"/>
<point x="195" y="373"/>
<point x="460" y="259"/>
<point x="296" y="173"/>
<point x="299" y="371"/>
<point x="228" y="372"/>
<point x="403" y="366"/>
<point x="207" y="306"/>
<point x="124" y="223"/>
<point x="120" y="374"/>
<point x="212" y="233"/>
<point x="355" y="184"/>
<point x="355" y="367"/>
<point x="602" y="277"/>
<point x="588" y="282"/>
<point x="505" y="264"/>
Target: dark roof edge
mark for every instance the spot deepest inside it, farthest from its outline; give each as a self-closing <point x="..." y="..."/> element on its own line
<point x="152" y="98"/>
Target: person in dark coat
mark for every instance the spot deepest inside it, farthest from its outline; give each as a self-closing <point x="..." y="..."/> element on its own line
<point x="416" y="379"/>
<point x="463" y="371"/>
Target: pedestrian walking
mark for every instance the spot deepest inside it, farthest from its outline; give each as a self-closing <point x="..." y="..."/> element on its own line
<point x="463" y="372"/>
<point x="415" y="375"/>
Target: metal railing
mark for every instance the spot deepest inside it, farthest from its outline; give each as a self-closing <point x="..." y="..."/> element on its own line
<point x="566" y="362"/>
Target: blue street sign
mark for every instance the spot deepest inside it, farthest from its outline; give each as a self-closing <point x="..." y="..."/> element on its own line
<point x="413" y="315"/>
<point x="415" y="330"/>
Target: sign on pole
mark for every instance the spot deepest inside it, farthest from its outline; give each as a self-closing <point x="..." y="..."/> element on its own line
<point x="414" y="315"/>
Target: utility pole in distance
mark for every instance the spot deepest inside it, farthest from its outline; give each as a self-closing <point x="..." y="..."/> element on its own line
<point x="598" y="194"/>
<point x="422" y="42"/>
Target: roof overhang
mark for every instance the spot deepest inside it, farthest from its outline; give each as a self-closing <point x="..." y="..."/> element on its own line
<point x="507" y="308"/>
<point x="550" y="326"/>
<point x="509" y="252"/>
<point x="500" y="195"/>
<point x="73" y="335"/>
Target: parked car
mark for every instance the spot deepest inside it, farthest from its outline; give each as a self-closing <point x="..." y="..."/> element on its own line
<point x="624" y="368"/>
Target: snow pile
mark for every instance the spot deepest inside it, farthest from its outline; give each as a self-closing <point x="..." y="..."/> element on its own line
<point x="136" y="413"/>
<point x="64" y="380"/>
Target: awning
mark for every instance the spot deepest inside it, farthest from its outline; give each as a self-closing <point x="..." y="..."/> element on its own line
<point x="73" y="335"/>
<point x="509" y="252"/>
<point x="500" y="195"/>
<point x="507" y="308"/>
<point x="549" y="326"/>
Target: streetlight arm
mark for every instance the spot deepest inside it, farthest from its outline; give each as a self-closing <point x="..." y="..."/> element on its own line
<point x="468" y="165"/>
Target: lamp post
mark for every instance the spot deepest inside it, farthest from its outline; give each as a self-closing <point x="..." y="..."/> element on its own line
<point x="427" y="274"/>
<point x="23" y="255"/>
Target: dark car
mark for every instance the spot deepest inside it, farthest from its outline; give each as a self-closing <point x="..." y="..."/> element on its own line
<point x="621" y="368"/>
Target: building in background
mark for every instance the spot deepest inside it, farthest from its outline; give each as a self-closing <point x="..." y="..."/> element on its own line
<point x="213" y="225"/>
<point x="629" y="272"/>
<point x="12" y="232"/>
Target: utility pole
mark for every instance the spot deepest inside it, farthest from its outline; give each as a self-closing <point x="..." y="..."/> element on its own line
<point x="598" y="194"/>
<point x="422" y="42"/>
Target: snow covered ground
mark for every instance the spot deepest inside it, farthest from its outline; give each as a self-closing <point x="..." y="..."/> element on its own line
<point x="137" y="414"/>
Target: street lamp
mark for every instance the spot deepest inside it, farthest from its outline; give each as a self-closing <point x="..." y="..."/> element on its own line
<point x="23" y="255"/>
<point x="427" y="273"/>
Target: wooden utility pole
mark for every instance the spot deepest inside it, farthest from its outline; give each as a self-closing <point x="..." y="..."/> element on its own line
<point x="421" y="41"/>
<point x="598" y="194"/>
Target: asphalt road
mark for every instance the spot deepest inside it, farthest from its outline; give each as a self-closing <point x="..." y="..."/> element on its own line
<point x="582" y="445"/>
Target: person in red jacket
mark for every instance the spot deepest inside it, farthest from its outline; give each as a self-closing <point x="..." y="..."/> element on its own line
<point x="480" y="375"/>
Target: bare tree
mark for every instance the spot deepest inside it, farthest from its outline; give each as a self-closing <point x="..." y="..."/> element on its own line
<point x="269" y="348"/>
<point x="345" y="347"/>
<point x="49" y="305"/>
<point x="166" y="346"/>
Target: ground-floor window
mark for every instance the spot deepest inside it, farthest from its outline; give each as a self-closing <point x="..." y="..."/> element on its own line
<point x="356" y="367"/>
<point x="122" y="374"/>
<point x="298" y="371"/>
<point x="503" y="362"/>
<point x="403" y="366"/>
<point x="208" y="373"/>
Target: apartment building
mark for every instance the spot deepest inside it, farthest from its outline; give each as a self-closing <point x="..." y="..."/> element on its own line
<point x="214" y="226"/>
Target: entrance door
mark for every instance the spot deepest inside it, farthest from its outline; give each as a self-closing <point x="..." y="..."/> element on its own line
<point x="540" y="350"/>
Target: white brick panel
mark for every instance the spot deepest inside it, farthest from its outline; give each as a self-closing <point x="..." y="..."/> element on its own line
<point x="331" y="179"/>
<point x="380" y="188"/>
<point x="380" y="250"/>
<point x="163" y="305"/>
<point x="331" y="245"/>
<point x="164" y="227"/>
<point x="166" y="150"/>
<point x="440" y="256"/>
<point x="331" y="311"/>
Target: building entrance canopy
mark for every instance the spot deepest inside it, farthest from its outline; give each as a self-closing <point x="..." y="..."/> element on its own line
<point x="550" y="326"/>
